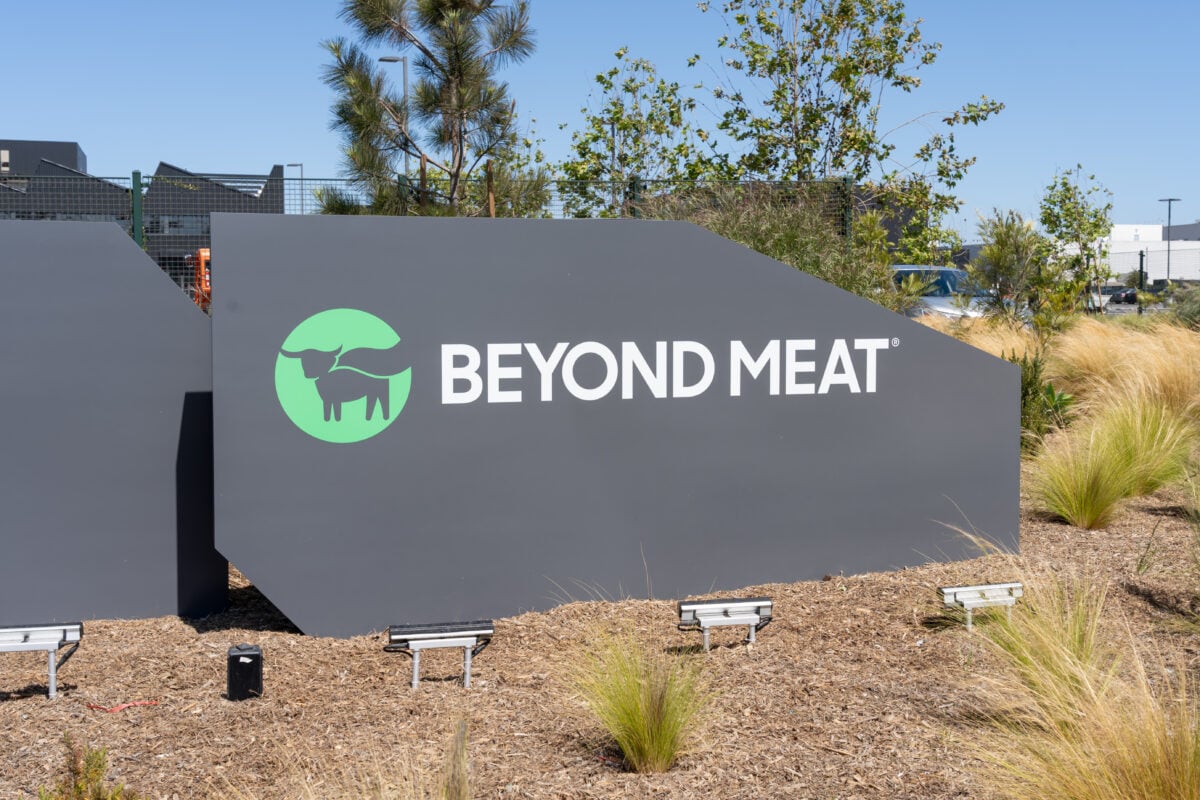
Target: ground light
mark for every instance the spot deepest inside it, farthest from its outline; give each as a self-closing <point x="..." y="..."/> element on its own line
<point x="51" y="638"/>
<point x="970" y="598"/>
<point x="753" y="612"/>
<point x="245" y="678"/>
<point x="472" y="637"/>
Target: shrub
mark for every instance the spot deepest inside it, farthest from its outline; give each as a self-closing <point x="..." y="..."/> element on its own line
<point x="85" y="768"/>
<point x="648" y="700"/>
<point x="1042" y="406"/>
<point x="1187" y="307"/>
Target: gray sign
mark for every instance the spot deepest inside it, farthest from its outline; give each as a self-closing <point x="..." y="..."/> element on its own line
<point x="422" y="420"/>
<point x="106" y="479"/>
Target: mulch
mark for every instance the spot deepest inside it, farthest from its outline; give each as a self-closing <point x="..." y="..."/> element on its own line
<point x="861" y="688"/>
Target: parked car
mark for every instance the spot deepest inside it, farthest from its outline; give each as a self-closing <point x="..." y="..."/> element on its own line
<point x="1126" y="295"/>
<point x="948" y="291"/>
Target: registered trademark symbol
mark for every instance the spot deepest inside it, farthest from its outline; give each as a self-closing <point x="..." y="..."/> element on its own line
<point x="895" y="342"/>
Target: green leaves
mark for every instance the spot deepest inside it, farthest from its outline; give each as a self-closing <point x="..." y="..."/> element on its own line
<point x="637" y="126"/>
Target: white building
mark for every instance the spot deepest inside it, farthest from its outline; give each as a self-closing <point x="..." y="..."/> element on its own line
<point x="1126" y="242"/>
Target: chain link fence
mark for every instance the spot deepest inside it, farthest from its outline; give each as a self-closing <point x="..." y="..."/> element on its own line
<point x="169" y="213"/>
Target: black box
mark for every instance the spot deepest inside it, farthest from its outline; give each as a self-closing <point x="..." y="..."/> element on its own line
<point x="245" y="672"/>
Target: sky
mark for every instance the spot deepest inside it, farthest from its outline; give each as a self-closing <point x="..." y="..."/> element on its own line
<point x="226" y="86"/>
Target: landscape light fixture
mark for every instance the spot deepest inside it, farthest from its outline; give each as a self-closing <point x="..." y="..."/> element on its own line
<point x="51" y="638"/>
<point x="970" y="598"/>
<point x="402" y="60"/>
<point x="471" y="636"/>
<point x="244" y="675"/>
<point x="753" y="612"/>
<point x="1169" y="201"/>
<point x="300" y="164"/>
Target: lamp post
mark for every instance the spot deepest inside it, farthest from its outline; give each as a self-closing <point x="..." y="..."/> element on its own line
<point x="403" y="60"/>
<point x="303" y="206"/>
<point x="1168" y="201"/>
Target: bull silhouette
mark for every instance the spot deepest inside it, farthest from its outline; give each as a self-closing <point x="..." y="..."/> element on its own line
<point x="345" y="376"/>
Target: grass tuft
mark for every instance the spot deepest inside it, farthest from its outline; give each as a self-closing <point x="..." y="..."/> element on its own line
<point x="649" y="700"/>
<point x="1084" y="720"/>
<point x="1133" y="446"/>
<point x="1080" y="478"/>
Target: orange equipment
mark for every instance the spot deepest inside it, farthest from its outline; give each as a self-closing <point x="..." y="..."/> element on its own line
<point x="202" y="281"/>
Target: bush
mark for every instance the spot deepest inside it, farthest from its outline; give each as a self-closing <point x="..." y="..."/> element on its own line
<point x="1187" y="307"/>
<point x="795" y="226"/>
<point x="86" y="768"/>
<point x="1042" y="406"/>
<point x="648" y="700"/>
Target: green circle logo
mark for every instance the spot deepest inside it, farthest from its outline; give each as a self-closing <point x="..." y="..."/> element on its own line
<point x="340" y="376"/>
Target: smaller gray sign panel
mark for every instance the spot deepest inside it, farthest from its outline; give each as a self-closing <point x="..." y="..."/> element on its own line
<point x="428" y="419"/>
<point x="106" y="480"/>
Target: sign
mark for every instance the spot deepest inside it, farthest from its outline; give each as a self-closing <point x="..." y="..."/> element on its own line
<point x="426" y="419"/>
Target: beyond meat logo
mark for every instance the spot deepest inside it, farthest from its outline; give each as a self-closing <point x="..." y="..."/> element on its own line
<point x="340" y="376"/>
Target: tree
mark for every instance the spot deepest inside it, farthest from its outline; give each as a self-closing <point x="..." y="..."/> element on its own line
<point x="457" y="114"/>
<point x="1076" y="214"/>
<point x="1011" y="261"/>
<point x="639" y="128"/>
<point x="817" y="73"/>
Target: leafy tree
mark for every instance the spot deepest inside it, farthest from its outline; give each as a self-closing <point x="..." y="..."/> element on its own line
<point x="818" y="72"/>
<point x="520" y="180"/>
<point x="638" y="128"/>
<point x="457" y="114"/>
<point x="1011" y="260"/>
<point x="1076" y="214"/>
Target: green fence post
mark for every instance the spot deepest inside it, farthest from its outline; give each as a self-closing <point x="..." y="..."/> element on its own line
<point x="635" y="197"/>
<point x="848" y="211"/>
<point x="135" y="196"/>
<point x="402" y="187"/>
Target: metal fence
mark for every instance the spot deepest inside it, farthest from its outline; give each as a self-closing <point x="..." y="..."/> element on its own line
<point x="169" y="213"/>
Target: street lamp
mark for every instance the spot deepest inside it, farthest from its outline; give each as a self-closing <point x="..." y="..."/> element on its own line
<point x="1168" y="201"/>
<point x="300" y="164"/>
<point x="403" y="60"/>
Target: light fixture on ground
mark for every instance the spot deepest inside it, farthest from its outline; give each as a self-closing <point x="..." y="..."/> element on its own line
<point x="471" y="636"/>
<point x="1169" y="201"/>
<point x="50" y="637"/>
<point x="303" y="198"/>
<point x="244" y="677"/>
<point x="402" y="60"/>
<point x="753" y="612"/>
<point x="970" y="598"/>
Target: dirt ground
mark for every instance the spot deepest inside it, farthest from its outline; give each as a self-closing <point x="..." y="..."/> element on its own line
<point x="860" y="688"/>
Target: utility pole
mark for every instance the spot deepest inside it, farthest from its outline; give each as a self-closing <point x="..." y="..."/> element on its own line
<point x="1169" y="201"/>
<point x="404" y="61"/>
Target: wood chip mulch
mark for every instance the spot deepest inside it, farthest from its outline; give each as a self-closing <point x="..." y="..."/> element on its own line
<point x="861" y="688"/>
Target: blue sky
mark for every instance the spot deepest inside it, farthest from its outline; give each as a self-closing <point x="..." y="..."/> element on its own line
<point x="229" y="86"/>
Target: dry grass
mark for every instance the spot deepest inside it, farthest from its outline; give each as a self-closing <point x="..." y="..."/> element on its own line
<point x="1001" y="338"/>
<point x="1095" y="360"/>
<point x="370" y="775"/>
<point x="1081" y="718"/>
